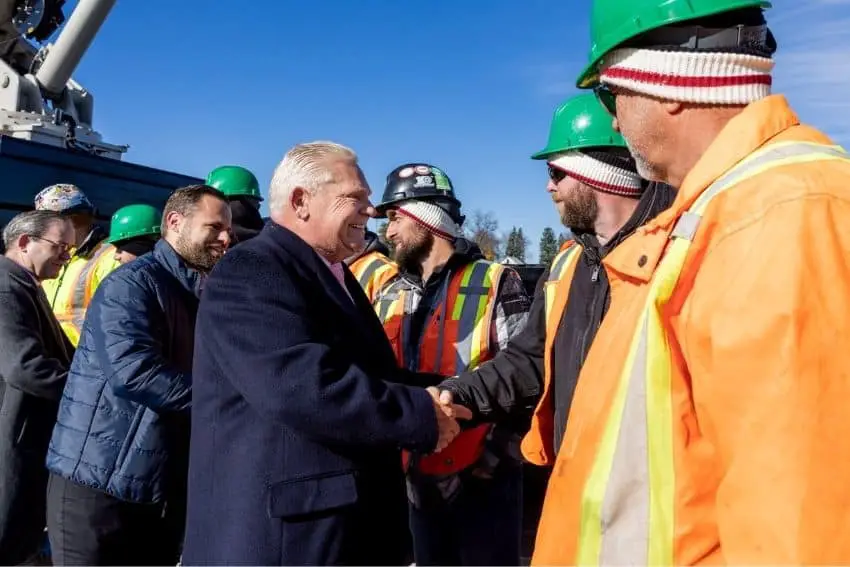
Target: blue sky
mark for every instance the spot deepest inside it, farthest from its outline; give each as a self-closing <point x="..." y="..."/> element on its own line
<point x="468" y="85"/>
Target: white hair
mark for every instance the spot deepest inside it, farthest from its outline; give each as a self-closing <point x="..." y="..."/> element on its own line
<point x="306" y="166"/>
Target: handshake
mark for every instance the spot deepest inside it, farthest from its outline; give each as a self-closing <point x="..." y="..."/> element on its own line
<point x="448" y="414"/>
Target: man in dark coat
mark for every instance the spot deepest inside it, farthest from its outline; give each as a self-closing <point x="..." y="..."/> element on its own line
<point x="299" y="410"/>
<point x="34" y="358"/>
<point x="118" y="457"/>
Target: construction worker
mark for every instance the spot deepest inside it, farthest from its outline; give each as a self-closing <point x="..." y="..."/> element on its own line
<point x="372" y="267"/>
<point x="134" y="231"/>
<point x="448" y="310"/>
<point x="92" y="259"/>
<point x="242" y="190"/>
<point x="710" y="422"/>
<point x="602" y="200"/>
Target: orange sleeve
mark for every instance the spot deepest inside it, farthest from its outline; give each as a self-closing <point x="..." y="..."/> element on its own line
<point x="766" y="336"/>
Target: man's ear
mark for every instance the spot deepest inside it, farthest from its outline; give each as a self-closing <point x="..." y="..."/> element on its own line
<point x="673" y="107"/>
<point x="173" y="220"/>
<point x="299" y="200"/>
<point x="23" y="240"/>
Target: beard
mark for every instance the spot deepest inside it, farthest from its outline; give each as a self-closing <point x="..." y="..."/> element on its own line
<point x="410" y="256"/>
<point x="198" y="255"/>
<point x="580" y="210"/>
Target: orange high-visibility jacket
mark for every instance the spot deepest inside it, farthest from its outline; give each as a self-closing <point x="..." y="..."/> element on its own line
<point x="456" y="337"/>
<point x="710" y="421"/>
<point x="373" y="271"/>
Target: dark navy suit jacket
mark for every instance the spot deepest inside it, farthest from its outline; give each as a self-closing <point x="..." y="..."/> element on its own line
<point x="299" y="413"/>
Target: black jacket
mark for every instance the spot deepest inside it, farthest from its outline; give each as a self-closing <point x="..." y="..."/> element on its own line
<point x="34" y="358"/>
<point x="510" y="385"/>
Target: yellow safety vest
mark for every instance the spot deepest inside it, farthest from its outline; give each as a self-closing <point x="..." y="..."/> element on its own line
<point x="373" y="271"/>
<point x="628" y="499"/>
<point x="70" y="293"/>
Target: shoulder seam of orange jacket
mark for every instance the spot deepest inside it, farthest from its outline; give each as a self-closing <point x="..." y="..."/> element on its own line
<point x="372" y="272"/>
<point x="455" y="338"/>
<point x="70" y="294"/>
<point x="640" y="400"/>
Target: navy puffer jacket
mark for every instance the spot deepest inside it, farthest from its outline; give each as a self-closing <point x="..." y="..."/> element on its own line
<point x="123" y="424"/>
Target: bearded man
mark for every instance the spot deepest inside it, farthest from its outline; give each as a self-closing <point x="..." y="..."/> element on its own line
<point x="448" y="310"/>
<point x="118" y="457"/>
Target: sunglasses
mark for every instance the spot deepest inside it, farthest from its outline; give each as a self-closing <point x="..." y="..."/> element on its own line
<point x="556" y="175"/>
<point x="607" y="98"/>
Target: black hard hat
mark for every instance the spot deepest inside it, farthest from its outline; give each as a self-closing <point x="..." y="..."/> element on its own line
<point x="420" y="181"/>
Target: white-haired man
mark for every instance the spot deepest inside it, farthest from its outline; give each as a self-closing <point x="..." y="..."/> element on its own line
<point x="299" y="410"/>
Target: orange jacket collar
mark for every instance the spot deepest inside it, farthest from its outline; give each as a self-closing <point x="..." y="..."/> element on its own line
<point x="744" y="134"/>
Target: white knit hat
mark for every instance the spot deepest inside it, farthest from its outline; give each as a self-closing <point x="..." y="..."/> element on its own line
<point x="431" y="217"/>
<point x="705" y="77"/>
<point x="605" y="176"/>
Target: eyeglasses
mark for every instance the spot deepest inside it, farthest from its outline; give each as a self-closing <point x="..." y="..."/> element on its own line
<point x="62" y="246"/>
<point x="556" y="175"/>
<point x="608" y="99"/>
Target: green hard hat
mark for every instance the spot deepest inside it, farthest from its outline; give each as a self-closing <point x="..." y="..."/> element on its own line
<point x="234" y="181"/>
<point x="580" y="122"/>
<point x="615" y="21"/>
<point x="133" y="221"/>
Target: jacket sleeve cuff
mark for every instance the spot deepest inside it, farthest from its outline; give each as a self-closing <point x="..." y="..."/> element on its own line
<point x="422" y="435"/>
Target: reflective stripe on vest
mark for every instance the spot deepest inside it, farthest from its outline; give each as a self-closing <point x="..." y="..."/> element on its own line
<point x="466" y="305"/>
<point x="76" y="291"/>
<point x="372" y="271"/>
<point x="628" y="498"/>
<point x="472" y="308"/>
<point x="560" y="265"/>
<point x="538" y="444"/>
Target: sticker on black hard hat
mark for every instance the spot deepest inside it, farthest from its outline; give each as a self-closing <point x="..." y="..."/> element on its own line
<point x="406" y="172"/>
<point x="441" y="180"/>
<point x="422" y="169"/>
<point x="424" y="181"/>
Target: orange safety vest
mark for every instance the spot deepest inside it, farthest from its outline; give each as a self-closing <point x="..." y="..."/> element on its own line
<point x="456" y="338"/>
<point x="71" y="292"/>
<point x="537" y="445"/>
<point x="373" y="271"/>
<point x="681" y="445"/>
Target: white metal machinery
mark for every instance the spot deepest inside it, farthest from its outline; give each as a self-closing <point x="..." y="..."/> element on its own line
<point x="39" y="99"/>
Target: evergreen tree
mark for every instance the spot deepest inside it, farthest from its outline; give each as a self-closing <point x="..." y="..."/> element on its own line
<point x="548" y="246"/>
<point x="513" y="247"/>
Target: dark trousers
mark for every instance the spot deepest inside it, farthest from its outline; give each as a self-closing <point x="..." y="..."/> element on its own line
<point x="482" y="525"/>
<point x="89" y="527"/>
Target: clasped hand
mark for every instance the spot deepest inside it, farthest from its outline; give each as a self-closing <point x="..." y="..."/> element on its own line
<point x="448" y="414"/>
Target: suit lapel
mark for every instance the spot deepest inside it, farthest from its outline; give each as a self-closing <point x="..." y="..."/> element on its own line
<point x="299" y="250"/>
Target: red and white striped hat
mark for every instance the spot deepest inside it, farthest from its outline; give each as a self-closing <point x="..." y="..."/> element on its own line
<point x="601" y="171"/>
<point x="704" y="77"/>
<point x="430" y="217"/>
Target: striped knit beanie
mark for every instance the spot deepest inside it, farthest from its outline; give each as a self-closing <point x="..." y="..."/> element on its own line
<point x="704" y="77"/>
<point x="604" y="171"/>
<point x="431" y="217"/>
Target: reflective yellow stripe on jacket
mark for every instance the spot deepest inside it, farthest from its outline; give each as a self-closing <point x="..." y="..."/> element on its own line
<point x="560" y="266"/>
<point x="71" y="292"/>
<point x="628" y="498"/>
<point x="373" y="271"/>
<point x="466" y="304"/>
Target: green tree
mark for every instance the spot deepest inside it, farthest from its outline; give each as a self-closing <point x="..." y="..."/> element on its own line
<point x="563" y="237"/>
<point x="516" y="244"/>
<point x="548" y="246"/>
